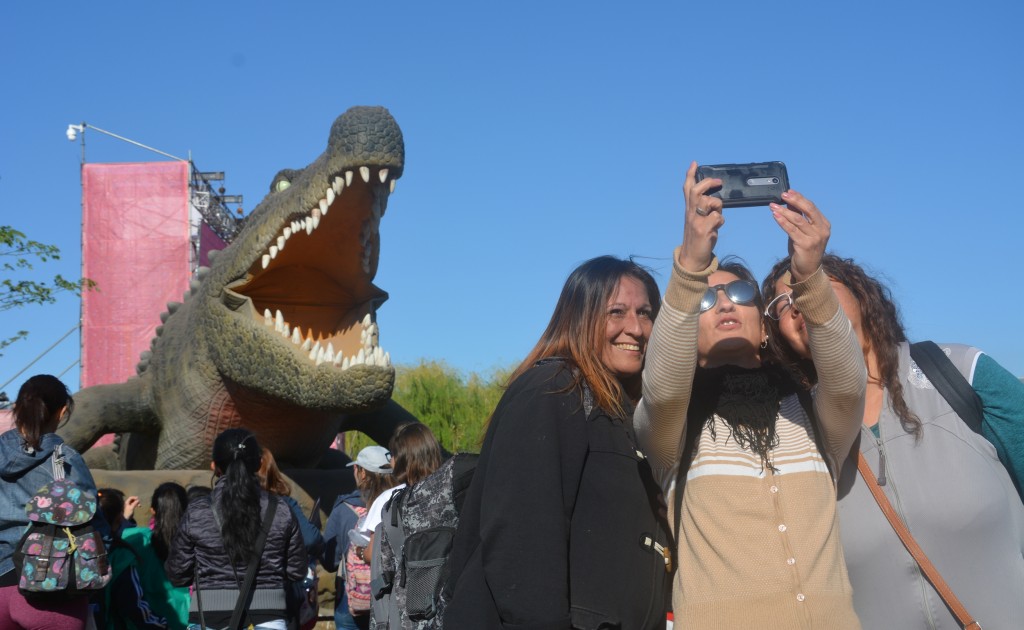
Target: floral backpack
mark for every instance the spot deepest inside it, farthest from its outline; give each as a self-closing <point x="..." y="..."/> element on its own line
<point x="357" y="573"/>
<point x="61" y="553"/>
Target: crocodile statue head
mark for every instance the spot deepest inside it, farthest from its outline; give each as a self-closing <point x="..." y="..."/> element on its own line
<point x="278" y="335"/>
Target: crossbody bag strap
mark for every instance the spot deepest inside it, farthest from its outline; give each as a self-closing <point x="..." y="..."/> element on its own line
<point x="199" y="598"/>
<point x="929" y="570"/>
<point x="949" y="382"/>
<point x="245" y="594"/>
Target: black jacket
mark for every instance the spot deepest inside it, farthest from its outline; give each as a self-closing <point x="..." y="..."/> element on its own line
<point x="199" y="543"/>
<point x="551" y="533"/>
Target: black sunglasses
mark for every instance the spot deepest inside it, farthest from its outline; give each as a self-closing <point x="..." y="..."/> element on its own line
<point x="741" y="292"/>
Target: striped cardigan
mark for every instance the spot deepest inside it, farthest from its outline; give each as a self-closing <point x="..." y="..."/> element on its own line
<point x="757" y="548"/>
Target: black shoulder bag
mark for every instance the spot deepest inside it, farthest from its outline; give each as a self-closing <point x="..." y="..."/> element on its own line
<point x="949" y="382"/>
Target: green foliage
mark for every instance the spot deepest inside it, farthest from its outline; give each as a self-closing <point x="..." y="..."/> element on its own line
<point x="455" y="408"/>
<point x="16" y="255"/>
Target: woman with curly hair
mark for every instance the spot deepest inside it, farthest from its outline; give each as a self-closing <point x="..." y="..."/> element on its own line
<point x="945" y="480"/>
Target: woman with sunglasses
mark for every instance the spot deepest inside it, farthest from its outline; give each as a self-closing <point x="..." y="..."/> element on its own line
<point x="747" y="467"/>
<point x="945" y="481"/>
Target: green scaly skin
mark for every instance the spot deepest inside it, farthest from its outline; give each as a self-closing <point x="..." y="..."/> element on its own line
<point x="216" y="363"/>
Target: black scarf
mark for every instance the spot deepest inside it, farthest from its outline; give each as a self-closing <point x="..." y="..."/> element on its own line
<point x="747" y="399"/>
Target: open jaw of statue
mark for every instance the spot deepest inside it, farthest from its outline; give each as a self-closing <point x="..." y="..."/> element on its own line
<point x="312" y="285"/>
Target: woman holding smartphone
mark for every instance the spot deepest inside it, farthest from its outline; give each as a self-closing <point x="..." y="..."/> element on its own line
<point x="749" y="471"/>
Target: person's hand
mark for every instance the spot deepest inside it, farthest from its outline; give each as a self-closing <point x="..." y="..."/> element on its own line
<point x="808" y="231"/>
<point x="130" y="504"/>
<point x="703" y="219"/>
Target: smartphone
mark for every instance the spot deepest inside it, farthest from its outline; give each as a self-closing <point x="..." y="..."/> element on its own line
<point x="755" y="184"/>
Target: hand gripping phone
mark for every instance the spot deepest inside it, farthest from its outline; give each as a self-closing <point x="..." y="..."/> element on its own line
<point x="755" y="184"/>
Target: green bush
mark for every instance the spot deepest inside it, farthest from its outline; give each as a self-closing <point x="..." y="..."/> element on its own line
<point x="455" y="408"/>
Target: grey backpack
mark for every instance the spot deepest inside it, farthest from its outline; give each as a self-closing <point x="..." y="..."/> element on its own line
<point x="411" y="548"/>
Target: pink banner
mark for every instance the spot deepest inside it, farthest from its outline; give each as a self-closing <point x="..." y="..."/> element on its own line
<point x="135" y="246"/>
<point x="208" y="242"/>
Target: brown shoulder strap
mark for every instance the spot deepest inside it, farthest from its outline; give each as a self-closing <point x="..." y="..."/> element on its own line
<point x="915" y="550"/>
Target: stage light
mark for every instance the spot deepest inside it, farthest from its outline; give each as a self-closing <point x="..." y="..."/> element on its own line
<point x="73" y="131"/>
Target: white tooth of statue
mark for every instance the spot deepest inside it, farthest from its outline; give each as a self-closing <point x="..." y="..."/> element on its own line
<point x="364" y="172"/>
<point x="309" y="225"/>
<point x="321" y="356"/>
<point x="266" y="260"/>
<point x="306" y="345"/>
<point x="328" y="356"/>
<point x="366" y="320"/>
<point x="345" y="364"/>
<point x="323" y="205"/>
<point x="287" y="233"/>
<point x="315" y="351"/>
<point x="391" y="186"/>
<point x="338" y="358"/>
<point x="268" y="317"/>
<point x="383" y="175"/>
<point x="273" y="251"/>
<point x="361" y="357"/>
<point x="280" y="242"/>
<point x="330" y="350"/>
<point x="371" y="360"/>
<point x="348" y="178"/>
<point x="330" y="198"/>
<point x="296" y="336"/>
<point x="338" y="185"/>
<point x="387" y="356"/>
<point x="316" y="220"/>
<point x="362" y="336"/>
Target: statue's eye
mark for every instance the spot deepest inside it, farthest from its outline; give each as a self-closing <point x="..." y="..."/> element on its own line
<point x="282" y="185"/>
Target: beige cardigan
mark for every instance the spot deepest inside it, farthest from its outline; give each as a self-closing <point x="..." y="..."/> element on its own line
<point x="758" y="549"/>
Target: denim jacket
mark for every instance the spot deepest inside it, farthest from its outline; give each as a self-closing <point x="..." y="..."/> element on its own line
<point x="23" y="470"/>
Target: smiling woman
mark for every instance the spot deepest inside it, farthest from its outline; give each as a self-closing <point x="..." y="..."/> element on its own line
<point x="560" y="474"/>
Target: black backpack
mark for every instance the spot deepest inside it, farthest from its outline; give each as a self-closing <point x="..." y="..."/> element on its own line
<point x="418" y="525"/>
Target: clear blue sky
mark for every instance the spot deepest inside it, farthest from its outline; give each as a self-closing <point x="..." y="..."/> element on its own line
<point x="541" y="134"/>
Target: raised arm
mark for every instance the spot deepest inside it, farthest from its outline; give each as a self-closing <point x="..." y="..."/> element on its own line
<point x="671" y="358"/>
<point x="837" y="356"/>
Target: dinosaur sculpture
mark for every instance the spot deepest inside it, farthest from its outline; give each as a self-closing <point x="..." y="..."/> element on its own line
<point x="278" y="335"/>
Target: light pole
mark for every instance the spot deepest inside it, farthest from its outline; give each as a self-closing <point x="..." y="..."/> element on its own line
<point x="73" y="131"/>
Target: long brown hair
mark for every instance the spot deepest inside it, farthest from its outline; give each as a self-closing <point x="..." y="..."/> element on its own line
<point x="270" y="475"/>
<point x="371" y="485"/>
<point x="415" y="453"/>
<point x="881" y="326"/>
<point x="577" y="327"/>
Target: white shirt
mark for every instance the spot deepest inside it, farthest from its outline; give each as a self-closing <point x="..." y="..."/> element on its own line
<point x="373" y="514"/>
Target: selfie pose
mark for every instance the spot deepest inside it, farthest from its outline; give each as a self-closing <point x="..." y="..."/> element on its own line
<point x="748" y="467"/>
<point x="947" y="482"/>
<point x="563" y="525"/>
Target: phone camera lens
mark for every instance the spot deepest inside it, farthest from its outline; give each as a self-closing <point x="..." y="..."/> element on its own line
<point x="775" y="180"/>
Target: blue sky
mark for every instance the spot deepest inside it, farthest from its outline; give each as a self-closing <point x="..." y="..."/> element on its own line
<point x="541" y="134"/>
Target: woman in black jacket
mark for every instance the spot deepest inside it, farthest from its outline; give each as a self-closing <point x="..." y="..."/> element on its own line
<point x="217" y="537"/>
<point x="563" y="526"/>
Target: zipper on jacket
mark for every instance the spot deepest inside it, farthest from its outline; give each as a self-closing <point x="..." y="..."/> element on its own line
<point x="897" y="505"/>
<point x="881" y="462"/>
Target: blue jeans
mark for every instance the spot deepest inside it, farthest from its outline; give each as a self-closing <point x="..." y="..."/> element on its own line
<point x="342" y="616"/>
